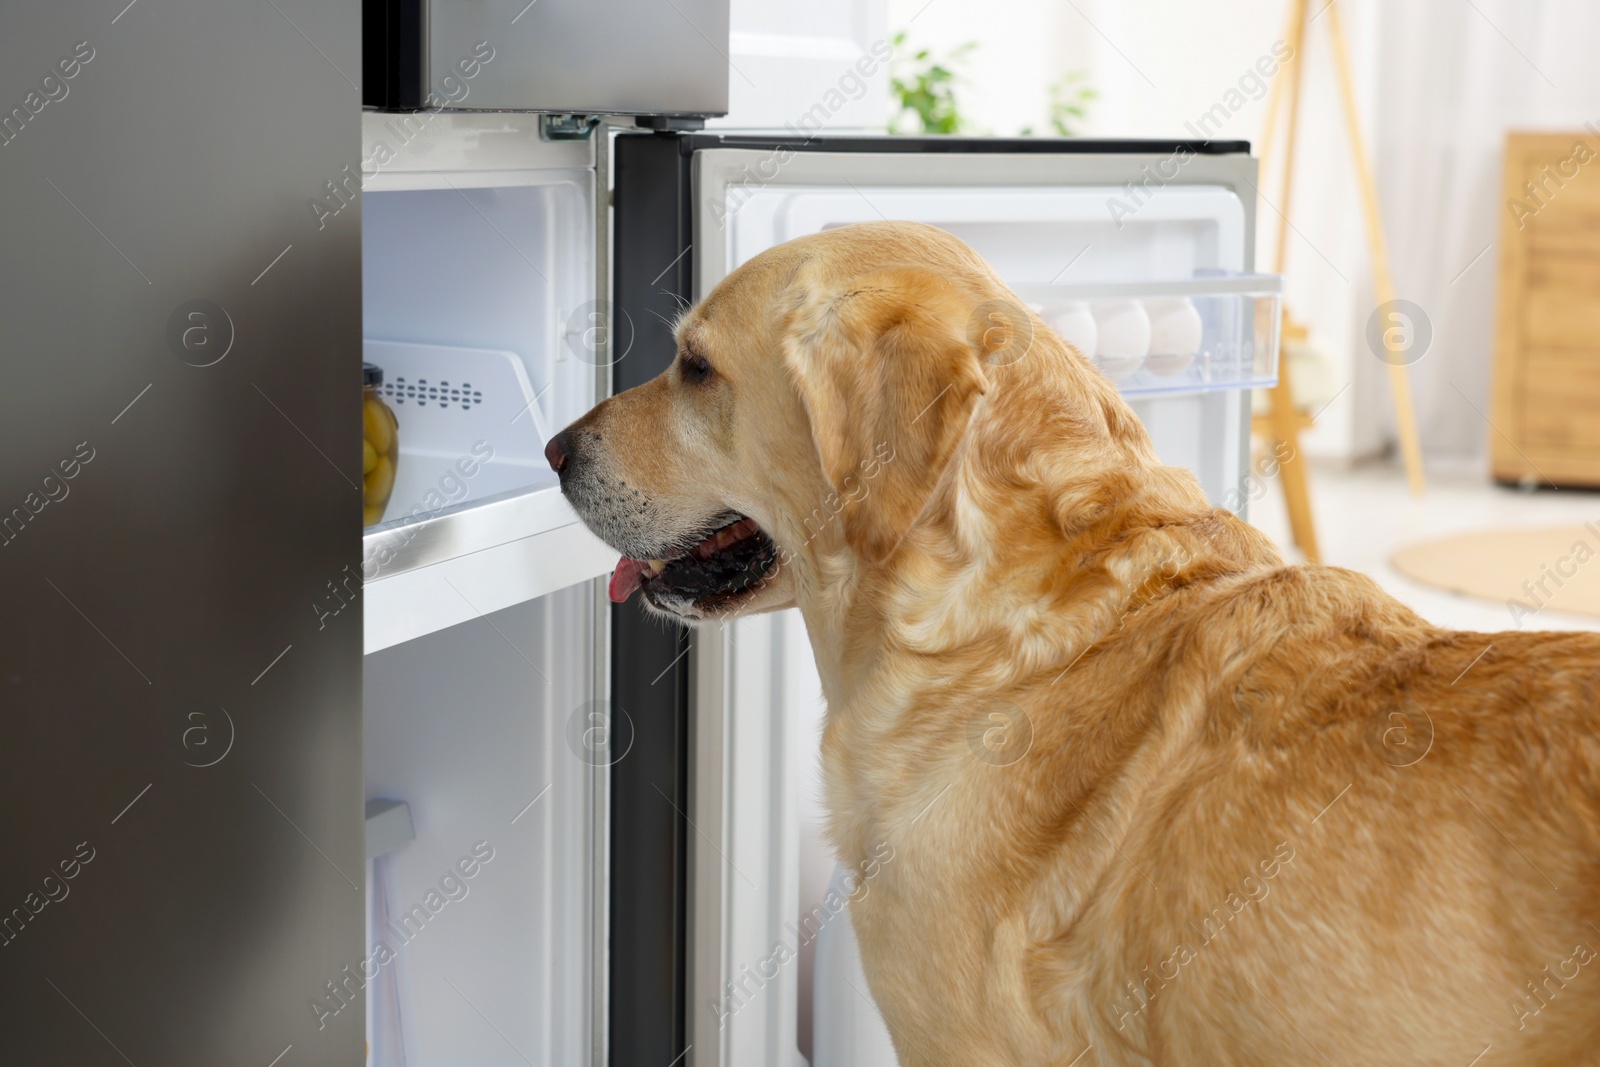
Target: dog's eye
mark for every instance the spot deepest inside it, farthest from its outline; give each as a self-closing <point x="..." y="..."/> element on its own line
<point x="696" y="369"/>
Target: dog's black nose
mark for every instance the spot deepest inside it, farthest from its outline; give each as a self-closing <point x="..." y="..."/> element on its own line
<point x="559" y="451"/>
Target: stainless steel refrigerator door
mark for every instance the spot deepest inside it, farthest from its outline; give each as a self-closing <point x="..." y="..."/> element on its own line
<point x="180" y="653"/>
<point x="629" y="57"/>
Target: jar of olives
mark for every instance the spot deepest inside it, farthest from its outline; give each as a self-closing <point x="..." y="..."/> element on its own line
<point x="380" y="446"/>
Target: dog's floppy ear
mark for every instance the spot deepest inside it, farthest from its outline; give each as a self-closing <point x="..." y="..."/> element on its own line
<point x="889" y="378"/>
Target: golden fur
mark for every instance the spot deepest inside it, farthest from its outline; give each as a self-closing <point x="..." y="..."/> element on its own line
<point x="1149" y="791"/>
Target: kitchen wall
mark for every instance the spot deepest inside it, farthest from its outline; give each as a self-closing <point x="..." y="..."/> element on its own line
<point x="1454" y="79"/>
<point x="817" y="66"/>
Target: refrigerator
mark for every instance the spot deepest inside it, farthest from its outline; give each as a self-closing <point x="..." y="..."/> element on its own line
<point x="284" y="789"/>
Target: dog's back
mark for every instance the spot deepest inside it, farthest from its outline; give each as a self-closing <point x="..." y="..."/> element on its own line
<point x="1362" y="811"/>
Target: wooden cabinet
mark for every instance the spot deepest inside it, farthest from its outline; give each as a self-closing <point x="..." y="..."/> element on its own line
<point x="1546" y="403"/>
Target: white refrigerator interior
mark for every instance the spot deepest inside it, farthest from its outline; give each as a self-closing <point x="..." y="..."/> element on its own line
<point x="1162" y="301"/>
<point x="485" y="631"/>
<point x="478" y="253"/>
<point x="480" y="929"/>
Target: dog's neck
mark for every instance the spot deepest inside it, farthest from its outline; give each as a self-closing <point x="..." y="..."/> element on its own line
<point x="1036" y="555"/>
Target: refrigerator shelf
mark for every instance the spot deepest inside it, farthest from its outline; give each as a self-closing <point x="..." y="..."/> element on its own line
<point x="1152" y="338"/>
<point x="429" y="573"/>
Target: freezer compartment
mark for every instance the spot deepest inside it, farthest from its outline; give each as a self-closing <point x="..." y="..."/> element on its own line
<point x="1214" y="332"/>
<point x="482" y="789"/>
<point x="478" y="284"/>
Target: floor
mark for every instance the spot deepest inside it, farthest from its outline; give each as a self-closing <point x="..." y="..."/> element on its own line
<point x="1365" y="513"/>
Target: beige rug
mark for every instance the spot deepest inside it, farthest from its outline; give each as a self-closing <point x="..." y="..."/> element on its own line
<point x="1526" y="570"/>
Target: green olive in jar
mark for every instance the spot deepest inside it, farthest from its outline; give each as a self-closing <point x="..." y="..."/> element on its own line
<point x="380" y="446"/>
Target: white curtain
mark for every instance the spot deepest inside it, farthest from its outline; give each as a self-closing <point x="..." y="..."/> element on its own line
<point x="1453" y="77"/>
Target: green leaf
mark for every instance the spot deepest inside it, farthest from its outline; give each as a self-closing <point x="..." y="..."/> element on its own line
<point x="923" y="89"/>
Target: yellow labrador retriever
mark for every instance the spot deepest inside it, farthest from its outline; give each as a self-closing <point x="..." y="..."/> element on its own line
<point x="1151" y="795"/>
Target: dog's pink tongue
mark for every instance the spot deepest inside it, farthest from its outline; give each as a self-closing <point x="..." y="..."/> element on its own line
<point x="626" y="578"/>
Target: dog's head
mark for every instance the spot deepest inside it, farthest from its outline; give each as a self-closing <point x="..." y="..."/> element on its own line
<point x="818" y="396"/>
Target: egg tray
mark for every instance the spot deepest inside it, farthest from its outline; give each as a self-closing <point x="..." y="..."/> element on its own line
<point x="1203" y="334"/>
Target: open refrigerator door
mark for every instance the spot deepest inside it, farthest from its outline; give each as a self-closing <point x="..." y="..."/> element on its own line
<point x="1152" y="281"/>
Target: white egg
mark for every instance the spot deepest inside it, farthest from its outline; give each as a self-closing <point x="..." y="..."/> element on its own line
<point x="1075" y="325"/>
<point x="1175" y="334"/>
<point x="1123" y="337"/>
<point x="1123" y="329"/>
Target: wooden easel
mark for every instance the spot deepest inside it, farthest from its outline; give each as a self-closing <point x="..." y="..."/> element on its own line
<point x="1284" y="423"/>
